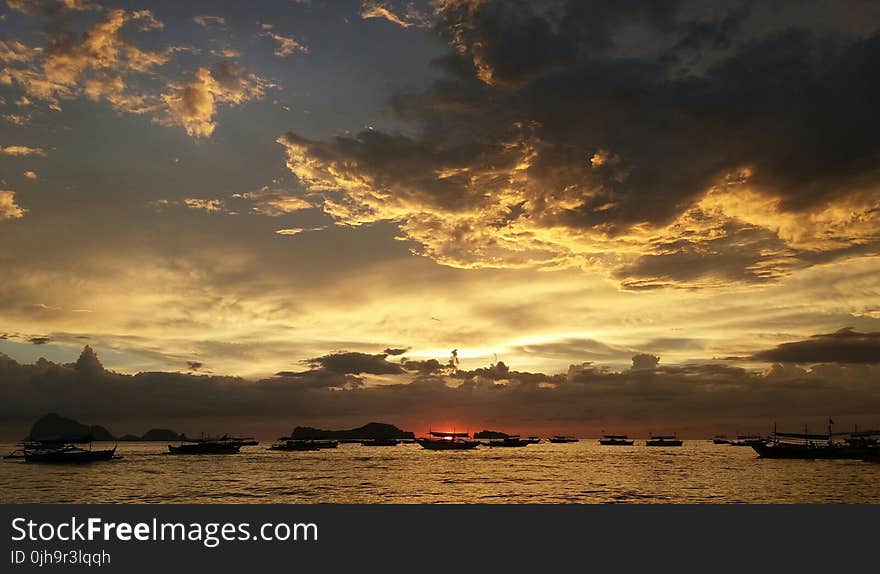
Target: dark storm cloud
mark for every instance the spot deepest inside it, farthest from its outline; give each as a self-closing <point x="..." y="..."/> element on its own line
<point x="562" y="130"/>
<point x="395" y="351"/>
<point x="698" y="395"/>
<point x="844" y="346"/>
<point x="356" y="363"/>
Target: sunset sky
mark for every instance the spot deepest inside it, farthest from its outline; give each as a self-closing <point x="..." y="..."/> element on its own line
<point x="243" y="189"/>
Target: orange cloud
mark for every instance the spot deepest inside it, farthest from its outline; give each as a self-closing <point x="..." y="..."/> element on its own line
<point x="8" y="208"/>
<point x="22" y="150"/>
<point x="405" y="17"/>
<point x="192" y="104"/>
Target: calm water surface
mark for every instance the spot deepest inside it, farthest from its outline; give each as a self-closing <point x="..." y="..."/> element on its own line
<point x="583" y="472"/>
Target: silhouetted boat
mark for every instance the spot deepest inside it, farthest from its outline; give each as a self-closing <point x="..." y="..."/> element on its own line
<point x="448" y="441"/>
<point x="664" y="440"/>
<point x="62" y="450"/>
<point x="509" y="441"/>
<point x="221" y="445"/>
<point x="720" y="439"/>
<point x="809" y="446"/>
<point x="380" y="442"/>
<point x="296" y="445"/>
<point x="562" y="439"/>
<point x="616" y="440"/>
<point x="534" y="440"/>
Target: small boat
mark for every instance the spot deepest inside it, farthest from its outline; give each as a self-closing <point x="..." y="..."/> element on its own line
<point x="296" y="445"/>
<point x="616" y="440"/>
<point x="448" y="441"/>
<point x="511" y="441"/>
<point x="221" y="445"/>
<point x="63" y="450"/>
<point x="664" y="440"/>
<point x="534" y="440"/>
<point x="720" y="439"/>
<point x="380" y="442"/>
<point x="562" y="439"/>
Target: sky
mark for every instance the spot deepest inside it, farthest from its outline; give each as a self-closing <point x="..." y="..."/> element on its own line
<point x="648" y="196"/>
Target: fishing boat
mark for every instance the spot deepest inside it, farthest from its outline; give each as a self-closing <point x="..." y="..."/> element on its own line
<point x="562" y="439"/>
<point x="747" y="440"/>
<point x="509" y="441"/>
<point x="616" y="440"/>
<point x="664" y="440"/>
<point x="63" y="450"/>
<point x="447" y="441"/>
<point x="811" y="446"/>
<point x="221" y="445"/>
<point x="380" y="442"/>
<point x="720" y="439"/>
<point x="296" y="445"/>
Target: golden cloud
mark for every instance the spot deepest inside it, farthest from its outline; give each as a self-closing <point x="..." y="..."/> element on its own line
<point x="22" y="150"/>
<point x="104" y="64"/>
<point x="286" y="45"/>
<point x="406" y="17"/>
<point x="192" y="104"/>
<point x="493" y="210"/>
<point x="97" y="65"/>
<point x="8" y="208"/>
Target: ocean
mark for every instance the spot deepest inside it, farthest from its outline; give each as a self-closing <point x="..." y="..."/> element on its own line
<point x="582" y="472"/>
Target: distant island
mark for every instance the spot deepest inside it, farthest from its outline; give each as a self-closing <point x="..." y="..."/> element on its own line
<point x="55" y="425"/>
<point x="368" y="431"/>
<point x="490" y="434"/>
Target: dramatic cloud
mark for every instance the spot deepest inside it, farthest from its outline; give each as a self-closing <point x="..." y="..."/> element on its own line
<point x="8" y="208"/>
<point x="21" y="150"/>
<point x="97" y="65"/>
<point x="356" y="364"/>
<point x="105" y="64"/>
<point x="193" y="103"/>
<point x="697" y="399"/>
<point x="286" y="45"/>
<point x="694" y="152"/>
<point x="274" y="202"/>
<point x="405" y="16"/>
<point x="844" y="346"/>
<point x="209" y="205"/>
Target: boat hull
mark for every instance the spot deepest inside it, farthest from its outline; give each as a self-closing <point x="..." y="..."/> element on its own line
<point x="616" y="442"/>
<point x="296" y="446"/>
<point x="440" y="444"/>
<point x="676" y="442"/>
<point x="61" y="456"/>
<point x="205" y="448"/>
<point x="810" y="452"/>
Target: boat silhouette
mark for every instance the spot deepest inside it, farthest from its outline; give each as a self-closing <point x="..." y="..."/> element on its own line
<point x="616" y="440"/>
<point x="447" y="441"/>
<point x="63" y="450"/>
<point x="664" y="440"/>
